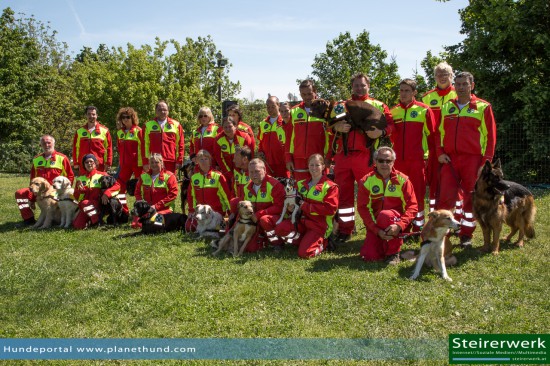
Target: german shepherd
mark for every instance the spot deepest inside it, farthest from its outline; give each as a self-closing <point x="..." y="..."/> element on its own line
<point x="496" y="201"/>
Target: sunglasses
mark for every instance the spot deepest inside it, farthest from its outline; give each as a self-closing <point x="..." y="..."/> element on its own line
<point x="384" y="161"/>
<point x="203" y="115"/>
<point x="125" y="117"/>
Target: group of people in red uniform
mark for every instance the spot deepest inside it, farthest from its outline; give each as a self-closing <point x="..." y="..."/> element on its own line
<point x="437" y="143"/>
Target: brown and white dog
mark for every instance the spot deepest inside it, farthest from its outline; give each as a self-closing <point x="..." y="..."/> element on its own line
<point x="45" y="198"/>
<point x="66" y="202"/>
<point x="241" y="233"/>
<point x="435" y="242"/>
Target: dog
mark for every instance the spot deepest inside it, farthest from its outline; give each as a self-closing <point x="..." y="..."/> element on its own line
<point x="46" y="200"/>
<point x="291" y="198"/>
<point x="496" y="201"/>
<point x="153" y="222"/>
<point x="241" y="233"/>
<point x="184" y="177"/>
<point x="208" y="221"/>
<point x="65" y="200"/>
<point x="113" y="208"/>
<point x="131" y="186"/>
<point x="360" y="115"/>
<point x="433" y="247"/>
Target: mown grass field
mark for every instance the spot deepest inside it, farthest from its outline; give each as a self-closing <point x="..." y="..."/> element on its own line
<point x="91" y="284"/>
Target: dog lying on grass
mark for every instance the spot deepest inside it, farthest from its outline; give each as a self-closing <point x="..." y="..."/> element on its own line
<point x="241" y="233"/>
<point x="153" y="222"/>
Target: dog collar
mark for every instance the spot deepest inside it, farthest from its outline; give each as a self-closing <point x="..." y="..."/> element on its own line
<point x="248" y="222"/>
<point x="425" y="242"/>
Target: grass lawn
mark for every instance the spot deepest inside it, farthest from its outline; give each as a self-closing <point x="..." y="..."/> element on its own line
<point x="91" y="284"/>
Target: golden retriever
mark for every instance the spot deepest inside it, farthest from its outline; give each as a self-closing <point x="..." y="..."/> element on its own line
<point x="241" y="233"/>
<point x="66" y="202"/>
<point x="46" y="200"/>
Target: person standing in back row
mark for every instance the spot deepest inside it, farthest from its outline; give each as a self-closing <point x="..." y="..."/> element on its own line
<point x="92" y="138"/>
<point x="163" y="135"/>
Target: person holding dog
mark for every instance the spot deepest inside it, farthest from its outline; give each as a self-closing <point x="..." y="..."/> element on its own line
<point x="163" y="135"/>
<point x="349" y="169"/>
<point x="48" y="165"/>
<point x="467" y="140"/>
<point x="129" y="150"/>
<point x="306" y="136"/>
<point x="92" y="138"/>
<point x="387" y="204"/>
<point x="204" y="136"/>
<point x="159" y="187"/>
<point x="208" y="187"/>
<point x="87" y="192"/>
<point x="267" y="196"/>
<point x="317" y="201"/>
<point x="414" y="133"/>
<point x="271" y="137"/>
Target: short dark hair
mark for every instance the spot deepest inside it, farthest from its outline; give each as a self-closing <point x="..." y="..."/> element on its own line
<point x="467" y="75"/>
<point x="409" y="82"/>
<point x="235" y="108"/>
<point x="90" y="107"/>
<point x="244" y="151"/>
<point x="360" y="75"/>
<point x="307" y="83"/>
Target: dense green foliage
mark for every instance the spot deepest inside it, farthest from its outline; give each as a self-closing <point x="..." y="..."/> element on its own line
<point x="507" y="48"/>
<point x="346" y="56"/>
<point x="45" y="91"/>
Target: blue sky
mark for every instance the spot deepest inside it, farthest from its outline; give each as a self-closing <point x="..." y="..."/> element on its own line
<point x="270" y="44"/>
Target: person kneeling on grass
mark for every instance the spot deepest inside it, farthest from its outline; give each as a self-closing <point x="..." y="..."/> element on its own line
<point x="158" y="187"/>
<point x="387" y="205"/>
<point x="88" y="194"/>
<point x="319" y="203"/>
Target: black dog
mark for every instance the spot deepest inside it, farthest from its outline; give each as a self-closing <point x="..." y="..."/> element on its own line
<point x="360" y="115"/>
<point x="131" y="186"/>
<point x="153" y="222"/>
<point x="113" y="209"/>
<point x="184" y="177"/>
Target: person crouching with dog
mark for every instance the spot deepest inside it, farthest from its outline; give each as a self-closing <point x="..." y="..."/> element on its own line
<point x="317" y="200"/>
<point x="267" y="195"/>
<point x="158" y="187"/>
<point x="48" y="165"/>
<point x="208" y="187"/>
<point x="387" y="204"/>
<point x="87" y="192"/>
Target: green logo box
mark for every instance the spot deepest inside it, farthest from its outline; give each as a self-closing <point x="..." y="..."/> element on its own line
<point x="499" y="348"/>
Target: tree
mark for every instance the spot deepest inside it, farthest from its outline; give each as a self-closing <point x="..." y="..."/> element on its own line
<point x="507" y="49"/>
<point x="346" y="56"/>
<point x="33" y="92"/>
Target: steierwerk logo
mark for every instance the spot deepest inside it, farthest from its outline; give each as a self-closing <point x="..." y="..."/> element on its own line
<point x="498" y="348"/>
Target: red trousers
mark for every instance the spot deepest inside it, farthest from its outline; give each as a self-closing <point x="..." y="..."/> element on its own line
<point x="348" y="170"/>
<point x="88" y="213"/>
<point x="416" y="171"/>
<point x="24" y="197"/>
<point x="310" y="243"/>
<point x="124" y="175"/>
<point x="432" y="178"/>
<point x="460" y="174"/>
<point x="375" y="248"/>
<point x="277" y="170"/>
